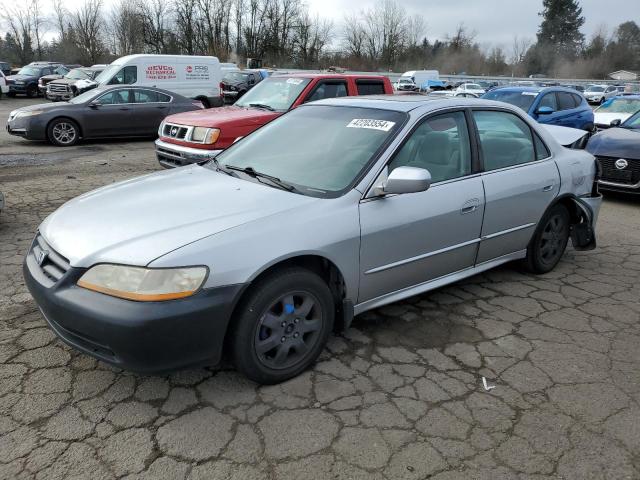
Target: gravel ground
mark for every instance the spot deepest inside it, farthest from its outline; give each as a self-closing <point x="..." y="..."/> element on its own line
<point x="398" y="396"/>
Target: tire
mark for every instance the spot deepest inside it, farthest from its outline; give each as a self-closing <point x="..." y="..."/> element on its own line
<point x="11" y="94"/>
<point x="32" y="91"/>
<point x="282" y="326"/>
<point x="63" y="132"/>
<point x="549" y="242"/>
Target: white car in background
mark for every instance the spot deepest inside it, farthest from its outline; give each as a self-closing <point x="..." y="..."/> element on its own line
<point x="618" y="109"/>
<point x="600" y="93"/>
<point x="470" y="88"/>
<point x="405" y="85"/>
<point x="4" y="88"/>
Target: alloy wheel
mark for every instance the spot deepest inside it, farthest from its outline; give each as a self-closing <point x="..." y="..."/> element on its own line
<point x="64" y="133"/>
<point x="288" y="330"/>
<point x="553" y="239"/>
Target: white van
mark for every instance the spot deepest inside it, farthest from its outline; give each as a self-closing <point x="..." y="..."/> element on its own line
<point x="420" y="77"/>
<point x="196" y="77"/>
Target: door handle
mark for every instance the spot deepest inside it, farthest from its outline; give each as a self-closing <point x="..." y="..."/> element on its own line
<point x="548" y="188"/>
<point x="470" y="206"/>
<point x="123" y="108"/>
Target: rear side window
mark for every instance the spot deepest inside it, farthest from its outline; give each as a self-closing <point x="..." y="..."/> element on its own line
<point x="566" y="101"/>
<point x="370" y="87"/>
<point x="505" y="139"/>
<point x="542" y="151"/>
<point x="126" y="76"/>
<point x="328" y="90"/>
<point x="150" y="96"/>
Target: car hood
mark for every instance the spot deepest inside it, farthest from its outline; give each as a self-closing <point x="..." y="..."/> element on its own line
<point x="136" y="221"/>
<point x="23" y="78"/>
<point x="231" y="116"/>
<point x="49" y="78"/>
<point x="616" y="142"/>
<point x="605" y="118"/>
<point x="42" y="106"/>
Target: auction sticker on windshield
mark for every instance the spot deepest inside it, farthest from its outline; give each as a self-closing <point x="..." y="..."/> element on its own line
<point x="374" y="124"/>
<point x="295" y="81"/>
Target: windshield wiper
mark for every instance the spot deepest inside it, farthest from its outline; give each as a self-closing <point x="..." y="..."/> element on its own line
<point x="262" y="105"/>
<point x="258" y="175"/>
<point x="217" y="164"/>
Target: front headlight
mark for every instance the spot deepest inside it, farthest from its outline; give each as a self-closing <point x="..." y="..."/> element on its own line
<point x="143" y="284"/>
<point x="205" y="135"/>
<point x="27" y="113"/>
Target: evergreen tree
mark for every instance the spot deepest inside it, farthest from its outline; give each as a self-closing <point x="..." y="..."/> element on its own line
<point x="560" y="27"/>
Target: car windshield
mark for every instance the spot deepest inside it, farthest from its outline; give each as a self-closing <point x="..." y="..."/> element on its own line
<point x="61" y="70"/>
<point x="524" y="100"/>
<point x="86" y="96"/>
<point x="319" y="150"/>
<point x="31" y="71"/>
<point x="473" y="86"/>
<point x="276" y="93"/>
<point x="633" y="122"/>
<point x="595" y="88"/>
<point x="235" y="77"/>
<point x="107" y="73"/>
<point x="620" y="105"/>
<point x="76" y="74"/>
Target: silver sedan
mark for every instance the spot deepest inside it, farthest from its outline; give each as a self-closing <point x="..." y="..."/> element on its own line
<point x="335" y="208"/>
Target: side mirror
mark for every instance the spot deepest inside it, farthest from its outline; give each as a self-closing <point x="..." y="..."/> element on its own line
<point x="615" y="122"/>
<point x="545" y="111"/>
<point x="94" y="105"/>
<point x="407" y="180"/>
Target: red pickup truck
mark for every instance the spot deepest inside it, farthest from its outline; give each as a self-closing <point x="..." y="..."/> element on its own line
<point x="192" y="137"/>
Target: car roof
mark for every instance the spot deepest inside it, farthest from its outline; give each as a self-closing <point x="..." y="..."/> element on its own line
<point x="106" y="88"/>
<point x="327" y="75"/>
<point x="554" y="88"/>
<point x="407" y="103"/>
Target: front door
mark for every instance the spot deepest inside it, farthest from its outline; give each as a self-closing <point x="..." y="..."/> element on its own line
<point x="520" y="182"/>
<point x="412" y="238"/>
<point x="109" y="115"/>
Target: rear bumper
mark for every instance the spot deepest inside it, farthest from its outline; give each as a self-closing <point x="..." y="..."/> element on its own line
<point x="145" y="337"/>
<point x="171" y="155"/>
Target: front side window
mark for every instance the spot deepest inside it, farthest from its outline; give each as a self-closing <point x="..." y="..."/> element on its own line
<point x="113" y="97"/>
<point x="275" y="93"/>
<point x="505" y="139"/>
<point x="126" y="76"/>
<point x="441" y="145"/>
<point x="328" y="90"/>
<point x="320" y="150"/>
<point x="549" y="100"/>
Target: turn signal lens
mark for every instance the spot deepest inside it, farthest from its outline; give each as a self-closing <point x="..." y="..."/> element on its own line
<point x="205" y="135"/>
<point x="143" y="284"/>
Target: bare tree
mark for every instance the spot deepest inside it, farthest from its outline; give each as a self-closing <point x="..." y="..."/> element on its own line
<point x="519" y="48"/>
<point x="125" y="26"/>
<point x="354" y="36"/>
<point x="88" y="25"/>
<point x="25" y="24"/>
<point x="156" y="16"/>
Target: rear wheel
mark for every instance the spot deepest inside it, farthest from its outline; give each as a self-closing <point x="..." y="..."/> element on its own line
<point x="63" y="132"/>
<point x="282" y="326"/>
<point x="549" y="242"/>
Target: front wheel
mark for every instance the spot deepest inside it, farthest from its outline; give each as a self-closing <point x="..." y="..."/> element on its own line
<point x="549" y="242"/>
<point x="282" y="326"/>
<point x="63" y="132"/>
<point x="32" y="91"/>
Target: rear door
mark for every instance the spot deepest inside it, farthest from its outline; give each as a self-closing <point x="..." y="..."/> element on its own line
<point x="520" y="181"/>
<point x="148" y="110"/>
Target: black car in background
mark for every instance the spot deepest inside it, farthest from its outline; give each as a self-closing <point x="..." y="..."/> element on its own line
<point x="73" y="83"/>
<point x="110" y="111"/>
<point x="617" y="150"/>
<point x="25" y="82"/>
<point x="235" y="84"/>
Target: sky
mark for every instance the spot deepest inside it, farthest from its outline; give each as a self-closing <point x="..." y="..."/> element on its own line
<point x="495" y="22"/>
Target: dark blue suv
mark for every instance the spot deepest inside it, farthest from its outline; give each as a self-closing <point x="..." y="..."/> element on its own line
<point x="551" y="105"/>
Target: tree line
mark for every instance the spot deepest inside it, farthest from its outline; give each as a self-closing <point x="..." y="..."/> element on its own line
<point x="283" y="33"/>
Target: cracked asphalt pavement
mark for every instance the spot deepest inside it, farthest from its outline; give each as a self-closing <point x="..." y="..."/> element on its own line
<point x="398" y="396"/>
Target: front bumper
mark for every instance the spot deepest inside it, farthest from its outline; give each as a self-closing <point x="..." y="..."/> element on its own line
<point x="171" y="155"/>
<point x="609" y="186"/>
<point x="13" y="88"/>
<point x="145" y="337"/>
<point x="31" y="128"/>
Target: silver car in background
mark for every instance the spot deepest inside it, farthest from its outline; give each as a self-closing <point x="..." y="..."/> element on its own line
<point x="335" y="208"/>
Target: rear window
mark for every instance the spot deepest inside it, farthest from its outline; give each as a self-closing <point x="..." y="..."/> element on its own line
<point x="370" y="87"/>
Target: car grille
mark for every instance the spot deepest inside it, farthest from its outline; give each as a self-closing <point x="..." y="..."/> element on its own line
<point x="627" y="176"/>
<point x="57" y="88"/>
<point x="178" y="132"/>
<point x="50" y="264"/>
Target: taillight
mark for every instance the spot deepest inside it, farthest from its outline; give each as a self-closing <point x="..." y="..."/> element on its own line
<point x="221" y="88"/>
